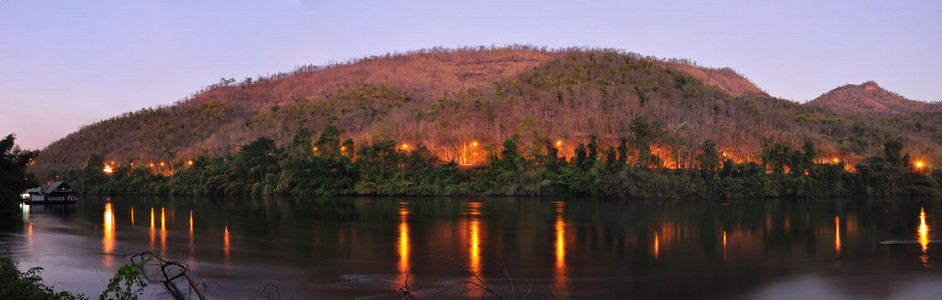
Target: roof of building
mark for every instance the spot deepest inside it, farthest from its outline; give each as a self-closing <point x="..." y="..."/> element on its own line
<point x="46" y="188"/>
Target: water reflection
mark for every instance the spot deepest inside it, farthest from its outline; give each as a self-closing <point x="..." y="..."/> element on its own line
<point x="569" y="249"/>
<point x="923" y="230"/>
<point x="153" y="230"/>
<point x="474" y="251"/>
<point x="29" y="239"/>
<point x="923" y="236"/>
<point x="471" y="234"/>
<point x="403" y="244"/>
<point x="132" y="215"/>
<point x="724" y="244"/>
<point x="192" y="259"/>
<point x="657" y="246"/>
<point x="560" y="272"/>
<point x="108" y="240"/>
<point x="226" y="244"/>
<point x="837" y="235"/>
<point x="163" y="232"/>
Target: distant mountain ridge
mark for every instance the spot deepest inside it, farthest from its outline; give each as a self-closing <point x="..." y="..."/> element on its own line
<point x="869" y="97"/>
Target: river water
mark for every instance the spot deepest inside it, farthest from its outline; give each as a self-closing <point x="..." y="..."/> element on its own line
<point x="541" y="248"/>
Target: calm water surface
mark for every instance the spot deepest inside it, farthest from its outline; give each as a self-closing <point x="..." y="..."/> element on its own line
<point x="579" y="248"/>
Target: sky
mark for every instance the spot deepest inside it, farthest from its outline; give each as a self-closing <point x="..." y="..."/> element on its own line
<point x="66" y="64"/>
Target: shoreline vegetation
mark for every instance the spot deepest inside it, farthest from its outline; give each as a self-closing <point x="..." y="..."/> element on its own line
<point x="322" y="166"/>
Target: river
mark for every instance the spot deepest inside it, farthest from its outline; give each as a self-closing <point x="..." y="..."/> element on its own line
<point x="540" y="248"/>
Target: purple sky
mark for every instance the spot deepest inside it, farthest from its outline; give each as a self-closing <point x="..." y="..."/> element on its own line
<point x="64" y="64"/>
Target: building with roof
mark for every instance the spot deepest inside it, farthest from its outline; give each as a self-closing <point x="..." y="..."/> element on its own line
<point x="53" y="192"/>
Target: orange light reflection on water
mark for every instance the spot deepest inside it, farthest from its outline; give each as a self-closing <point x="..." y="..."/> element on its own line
<point x="923" y="230"/>
<point x="226" y="247"/>
<point x="29" y="239"/>
<point x="473" y="239"/>
<point x="132" y="215"/>
<point x="475" y="249"/>
<point x="923" y="237"/>
<point x="837" y="235"/>
<point x="108" y="240"/>
<point x="226" y="242"/>
<point x="153" y="230"/>
<point x="404" y="248"/>
<point x="656" y="246"/>
<point x="560" y="272"/>
<point x="191" y="260"/>
<point x="163" y="232"/>
<point x="163" y="218"/>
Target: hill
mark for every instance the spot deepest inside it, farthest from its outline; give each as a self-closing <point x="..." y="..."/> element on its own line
<point x="450" y="99"/>
<point x="870" y="98"/>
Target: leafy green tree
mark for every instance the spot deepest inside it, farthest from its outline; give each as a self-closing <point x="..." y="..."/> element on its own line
<point x="593" y="147"/>
<point x="709" y="159"/>
<point x="328" y="144"/>
<point x="641" y="129"/>
<point x="622" y="150"/>
<point x="13" y="179"/>
<point x="15" y="284"/>
<point x="891" y="150"/>
<point x="93" y="174"/>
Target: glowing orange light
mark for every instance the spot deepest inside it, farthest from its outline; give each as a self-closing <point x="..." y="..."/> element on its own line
<point x="656" y="246"/>
<point x="403" y="243"/>
<point x="475" y="239"/>
<point x="132" y="215"/>
<point x="161" y="164"/>
<point x="343" y="148"/>
<point x="919" y="164"/>
<point x="226" y="241"/>
<point x="559" y="143"/>
<point x="108" y="240"/>
<point x="151" y="165"/>
<point x="923" y="230"/>
<point x="189" y="162"/>
<point x="837" y="235"/>
<point x="724" y="239"/>
<point x="191" y="221"/>
<point x="163" y="218"/>
<point x="405" y="146"/>
<point x="475" y="144"/>
<point x="163" y="232"/>
<point x="560" y="272"/>
<point x="107" y="169"/>
<point x="836" y="160"/>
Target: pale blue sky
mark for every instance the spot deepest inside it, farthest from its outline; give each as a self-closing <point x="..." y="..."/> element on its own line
<point x="64" y="64"/>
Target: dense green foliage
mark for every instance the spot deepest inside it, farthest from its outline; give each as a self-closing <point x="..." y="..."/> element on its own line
<point x="127" y="283"/>
<point x="15" y="284"/>
<point x="13" y="178"/>
<point x="327" y="166"/>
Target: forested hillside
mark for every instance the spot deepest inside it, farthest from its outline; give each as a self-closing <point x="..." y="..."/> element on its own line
<point x="458" y="102"/>
<point x="869" y="97"/>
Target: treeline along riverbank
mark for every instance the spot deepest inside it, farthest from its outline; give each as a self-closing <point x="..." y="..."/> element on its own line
<point x="312" y="164"/>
